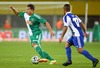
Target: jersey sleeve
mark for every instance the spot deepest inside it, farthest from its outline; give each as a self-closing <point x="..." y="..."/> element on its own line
<point x="42" y="20"/>
<point x="21" y="14"/>
<point x="66" y="20"/>
<point x="80" y="21"/>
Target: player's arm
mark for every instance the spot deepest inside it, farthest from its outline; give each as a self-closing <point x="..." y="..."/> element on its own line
<point x="66" y="21"/>
<point x="84" y="29"/>
<point x="14" y="10"/>
<point x="63" y="33"/>
<point x="49" y="28"/>
<point x="43" y="21"/>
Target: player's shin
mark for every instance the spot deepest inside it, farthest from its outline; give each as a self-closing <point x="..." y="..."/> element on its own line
<point x="68" y="53"/>
<point x="47" y="56"/>
<point x="88" y="55"/>
<point x="39" y="50"/>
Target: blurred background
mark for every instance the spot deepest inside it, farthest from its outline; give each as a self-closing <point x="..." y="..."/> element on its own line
<point x="13" y="28"/>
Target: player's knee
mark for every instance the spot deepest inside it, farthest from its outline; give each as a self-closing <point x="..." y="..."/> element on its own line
<point x="67" y="45"/>
<point x="80" y="50"/>
<point x="33" y="45"/>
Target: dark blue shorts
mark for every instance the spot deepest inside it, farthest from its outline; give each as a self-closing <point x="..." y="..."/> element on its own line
<point x="77" y="41"/>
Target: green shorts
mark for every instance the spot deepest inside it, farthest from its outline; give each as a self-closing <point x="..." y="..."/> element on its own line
<point x="36" y="38"/>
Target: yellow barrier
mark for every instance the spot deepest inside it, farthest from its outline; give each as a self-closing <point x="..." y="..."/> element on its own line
<point x="56" y="9"/>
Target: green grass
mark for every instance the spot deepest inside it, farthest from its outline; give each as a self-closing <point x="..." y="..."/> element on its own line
<point x="18" y="55"/>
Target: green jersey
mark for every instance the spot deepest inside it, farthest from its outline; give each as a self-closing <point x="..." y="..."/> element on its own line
<point x="35" y="22"/>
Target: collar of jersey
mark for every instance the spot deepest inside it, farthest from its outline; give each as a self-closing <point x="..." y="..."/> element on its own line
<point x="67" y="13"/>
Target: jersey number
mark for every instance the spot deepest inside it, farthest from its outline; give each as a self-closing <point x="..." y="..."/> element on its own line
<point x="76" y="20"/>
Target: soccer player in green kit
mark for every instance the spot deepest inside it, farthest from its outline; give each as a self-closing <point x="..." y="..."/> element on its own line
<point x="33" y="22"/>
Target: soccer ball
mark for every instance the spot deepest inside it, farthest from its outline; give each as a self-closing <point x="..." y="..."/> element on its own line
<point x="35" y="59"/>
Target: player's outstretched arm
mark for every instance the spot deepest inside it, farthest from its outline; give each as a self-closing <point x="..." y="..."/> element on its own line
<point x="84" y="29"/>
<point x="14" y="10"/>
<point x="63" y="33"/>
<point x="49" y="28"/>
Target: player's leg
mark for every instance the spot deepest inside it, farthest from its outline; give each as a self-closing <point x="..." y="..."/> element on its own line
<point x="37" y="40"/>
<point x="40" y="52"/>
<point x="35" y="44"/>
<point x="86" y="54"/>
<point x="89" y="56"/>
<point x="79" y="43"/>
<point x="38" y="49"/>
<point x="68" y="52"/>
<point x="46" y="55"/>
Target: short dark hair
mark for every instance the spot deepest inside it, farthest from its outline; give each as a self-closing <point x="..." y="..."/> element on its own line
<point x="67" y="7"/>
<point x="31" y="6"/>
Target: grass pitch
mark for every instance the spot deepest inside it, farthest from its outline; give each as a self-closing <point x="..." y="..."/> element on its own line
<point x="18" y="55"/>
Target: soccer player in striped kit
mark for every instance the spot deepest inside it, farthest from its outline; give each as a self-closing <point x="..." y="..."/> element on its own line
<point x="77" y="39"/>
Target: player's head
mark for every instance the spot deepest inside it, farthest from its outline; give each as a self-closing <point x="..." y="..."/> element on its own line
<point x="66" y="8"/>
<point x="30" y="9"/>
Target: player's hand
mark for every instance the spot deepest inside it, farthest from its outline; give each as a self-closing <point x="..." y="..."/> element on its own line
<point x="11" y="7"/>
<point x="52" y="33"/>
<point x="85" y="35"/>
<point x="60" y="39"/>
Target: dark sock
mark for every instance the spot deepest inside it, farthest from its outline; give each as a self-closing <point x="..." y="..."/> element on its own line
<point x="68" y="53"/>
<point x="89" y="56"/>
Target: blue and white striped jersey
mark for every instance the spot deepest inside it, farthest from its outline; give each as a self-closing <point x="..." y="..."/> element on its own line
<point x="73" y="22"/>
